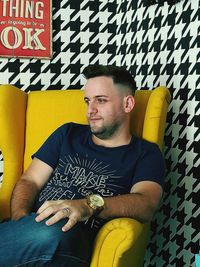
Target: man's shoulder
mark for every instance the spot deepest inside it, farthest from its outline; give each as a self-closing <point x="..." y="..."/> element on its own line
<point x="145" y="145"/>
<point x="72" y="126"/>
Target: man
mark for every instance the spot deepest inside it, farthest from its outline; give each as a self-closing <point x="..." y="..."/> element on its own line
<point x="81" y="177"/>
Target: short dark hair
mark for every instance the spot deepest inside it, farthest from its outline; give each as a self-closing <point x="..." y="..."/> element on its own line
<point x="119" y="75"/>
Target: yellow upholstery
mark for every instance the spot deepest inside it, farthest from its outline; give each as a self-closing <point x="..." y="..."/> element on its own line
<point x="12" y="128"/>
<point x="46" y="111"/>
<point x="26" y="120"/>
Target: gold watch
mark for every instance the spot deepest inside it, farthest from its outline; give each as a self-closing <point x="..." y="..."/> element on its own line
<point x="96" y="202"/>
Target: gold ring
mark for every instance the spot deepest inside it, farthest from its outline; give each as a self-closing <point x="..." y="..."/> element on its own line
<point x="67" y="210"/>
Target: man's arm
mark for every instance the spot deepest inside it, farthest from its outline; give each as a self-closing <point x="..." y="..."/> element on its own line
<point x="140" y="204"/>
<point x="28" y="187"/>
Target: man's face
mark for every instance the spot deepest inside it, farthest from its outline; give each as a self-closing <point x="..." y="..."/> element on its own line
<point x="105" y="112"/>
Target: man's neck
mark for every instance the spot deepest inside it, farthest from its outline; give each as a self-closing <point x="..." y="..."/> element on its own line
<point x="113" y="141"/>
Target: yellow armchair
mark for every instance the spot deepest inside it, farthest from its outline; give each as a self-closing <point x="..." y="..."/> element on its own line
<point x="26" y="120"/>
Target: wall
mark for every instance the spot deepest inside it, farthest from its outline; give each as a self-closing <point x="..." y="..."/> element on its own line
<point x="158" y="44"/>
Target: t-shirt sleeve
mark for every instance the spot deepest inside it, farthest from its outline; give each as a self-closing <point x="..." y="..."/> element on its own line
<point x="49" y="152"/>
<point x="150" y="166"/>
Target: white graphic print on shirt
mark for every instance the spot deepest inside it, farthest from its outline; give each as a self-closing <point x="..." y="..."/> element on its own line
<point x="78" y="177"/>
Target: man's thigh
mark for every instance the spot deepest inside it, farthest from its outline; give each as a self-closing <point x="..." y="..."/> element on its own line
<point x="26" y="242"/>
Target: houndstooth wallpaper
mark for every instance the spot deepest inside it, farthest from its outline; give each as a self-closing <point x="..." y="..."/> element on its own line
<point x="160" y="45"/>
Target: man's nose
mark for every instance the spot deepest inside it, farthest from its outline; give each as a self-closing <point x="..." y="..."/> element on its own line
<point x="92" y="107"/>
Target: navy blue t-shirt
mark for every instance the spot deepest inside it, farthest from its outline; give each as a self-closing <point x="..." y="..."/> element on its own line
<point x="81" y="167"/>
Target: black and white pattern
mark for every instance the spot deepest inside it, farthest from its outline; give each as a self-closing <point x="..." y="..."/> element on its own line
<point x="159" y="45"/>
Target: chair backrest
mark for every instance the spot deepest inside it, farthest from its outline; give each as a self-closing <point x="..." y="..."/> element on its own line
<point x="46" y="110"/>
<point x="26" y="120"/>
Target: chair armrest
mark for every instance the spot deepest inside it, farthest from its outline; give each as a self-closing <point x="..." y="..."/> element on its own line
<point x="114" y="240"/>
<point x="12" y="125"/>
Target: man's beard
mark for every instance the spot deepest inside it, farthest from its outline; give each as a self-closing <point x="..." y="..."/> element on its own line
<point x="106" y="131"/>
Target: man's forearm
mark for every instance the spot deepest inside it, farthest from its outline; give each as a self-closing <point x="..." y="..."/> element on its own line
<point x="132" y="205"/>
<point x="140" y="205"/>
<point x="23" y="198"/>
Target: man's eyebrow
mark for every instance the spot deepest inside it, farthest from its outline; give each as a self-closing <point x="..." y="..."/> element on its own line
<point x="97" y="96"/>
<point x="101" y="96"/>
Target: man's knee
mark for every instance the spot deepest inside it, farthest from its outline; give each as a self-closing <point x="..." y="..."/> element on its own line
<point x="26" y="240"/>
<point x="39" y="233"/>
<point x="36" y="240"/>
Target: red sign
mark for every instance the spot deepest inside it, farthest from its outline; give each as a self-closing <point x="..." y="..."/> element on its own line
<point x="25" y="28"/>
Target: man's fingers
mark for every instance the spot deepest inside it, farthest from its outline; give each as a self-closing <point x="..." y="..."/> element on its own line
<point x="71" y="222"/>
<point x="45" y="213"/>
<point x="55" y="211"/>
<point x="58" y="216"/>
<point x="44" y="206"/>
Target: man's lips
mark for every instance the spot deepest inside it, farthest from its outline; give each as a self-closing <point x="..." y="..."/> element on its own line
<point x="94" y="119"/>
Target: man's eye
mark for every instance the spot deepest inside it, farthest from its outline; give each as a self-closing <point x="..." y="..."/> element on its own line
<point x="86" y="101"/>
<point x="101" y="100"/>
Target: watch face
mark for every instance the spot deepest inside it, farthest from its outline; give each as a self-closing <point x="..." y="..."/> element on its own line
<point x="97" y="200"/>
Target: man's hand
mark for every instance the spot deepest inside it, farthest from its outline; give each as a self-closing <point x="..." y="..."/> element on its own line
<point x="75" y="210"/>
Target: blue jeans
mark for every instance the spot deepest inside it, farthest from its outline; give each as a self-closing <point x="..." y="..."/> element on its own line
<point x="28" y="243"/>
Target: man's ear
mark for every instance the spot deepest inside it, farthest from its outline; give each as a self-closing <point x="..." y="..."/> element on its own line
<point x="129" y="103"/>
